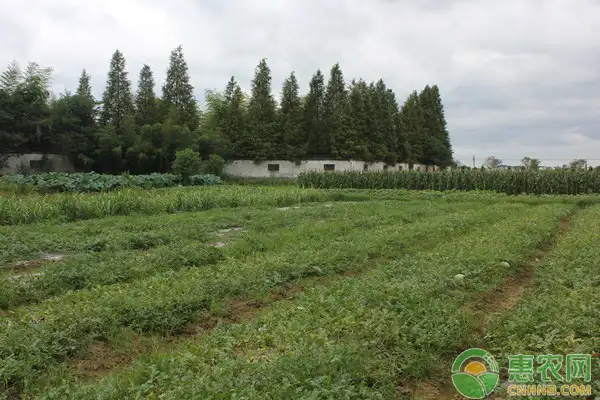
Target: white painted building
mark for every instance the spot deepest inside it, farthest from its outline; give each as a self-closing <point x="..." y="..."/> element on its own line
<point x="33" y="161"/>
<point x="291" y="169"/>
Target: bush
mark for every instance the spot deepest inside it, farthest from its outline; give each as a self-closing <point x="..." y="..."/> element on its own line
<point x="200" y="180"/>
<point x="214" y="165"/>
<point x="187" y="163"/>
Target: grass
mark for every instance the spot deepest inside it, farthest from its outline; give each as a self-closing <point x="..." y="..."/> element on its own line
<point x="373" y="306"/>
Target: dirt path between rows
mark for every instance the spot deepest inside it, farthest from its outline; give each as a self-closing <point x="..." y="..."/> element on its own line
<point x="497" y="301"/>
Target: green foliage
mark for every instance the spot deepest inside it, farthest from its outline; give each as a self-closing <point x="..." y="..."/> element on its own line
<point x="436" y="146"/>
<point x="16" y="210"/>
<point x="178" y="92"/>
<point x="412" y="121"/>
<point x="262" y="116"/>
<point x="142" y="134"/>
<point x="145" y="101"/>
<point x="187" y="163"/>
<point x="294" y="143"/>
<point x="556" y="182"/>
<point x="84" y="88"/>
<point x="401" y="311"/>
<point x="53" y="182"/>
<point x="318" y="140"/>
<point x="336" y="116"/>
<point x="557" y="315"/>
<point x="117" y="100"/>
<point x="215" y="165"/>
<point x="226" y="119"/>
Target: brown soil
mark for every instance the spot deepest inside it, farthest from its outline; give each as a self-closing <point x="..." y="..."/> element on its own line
<point x="430" y="390"/>
<point x="100" y="358"/>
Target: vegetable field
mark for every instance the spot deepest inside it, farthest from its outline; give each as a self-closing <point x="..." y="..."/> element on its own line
<point x="53" y="182"/>
<point x="252" y="292"/>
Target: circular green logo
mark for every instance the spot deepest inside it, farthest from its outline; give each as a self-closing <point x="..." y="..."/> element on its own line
<point x="475" y="373"/>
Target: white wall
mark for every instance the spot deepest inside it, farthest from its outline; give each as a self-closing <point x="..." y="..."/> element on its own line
<point x="289" y="169"/>
<point x="59" y="162"/>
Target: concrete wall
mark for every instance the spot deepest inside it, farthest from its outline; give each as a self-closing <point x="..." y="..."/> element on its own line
<point x="59" y="162"/>
<point x="290" y="169"/>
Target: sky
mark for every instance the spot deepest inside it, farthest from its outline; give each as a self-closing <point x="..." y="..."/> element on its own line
<point x="517" y="77"/>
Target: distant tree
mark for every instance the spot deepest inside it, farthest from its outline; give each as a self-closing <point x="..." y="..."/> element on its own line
<point x="578" y="163"/>
<point x="361" y="117"/>
<point x="25" y="109"/>
<point x="437" y="149"/>
<point x="178" y="92"/>
<point x="73" y="122"/>
<point x="336" y="116"/>
<point x="145" y="99"/>
<point x="492" y="162"/>
<point x="231" y="114"/>
<point x="294" y="144"/>
<point x="382" y="125"/>
<point x="314" y="128"/>
<point x="390" y="128"/>
<point x="262" y="116"/>
<point x="117" y="101"/>
<point x="531" y="163"/>
<point x="411" y="124"/>
<point x="215" y="165"/>
<point x="85" y="86"/>
<point x="11" y="78"/>
<point x="187" y="163"/>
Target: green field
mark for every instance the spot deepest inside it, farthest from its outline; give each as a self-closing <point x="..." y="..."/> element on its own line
<point x="257" y="292"/>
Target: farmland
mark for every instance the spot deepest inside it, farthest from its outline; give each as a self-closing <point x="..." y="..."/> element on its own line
<point x="260" y="292"/>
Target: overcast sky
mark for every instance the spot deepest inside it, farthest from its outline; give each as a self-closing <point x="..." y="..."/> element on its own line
<point x="517" y="77"/>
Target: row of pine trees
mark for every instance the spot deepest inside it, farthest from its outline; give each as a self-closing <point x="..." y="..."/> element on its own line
<point x="139" y="132"/>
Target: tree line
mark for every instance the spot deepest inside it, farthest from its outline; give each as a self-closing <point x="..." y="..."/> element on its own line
<point x="140" y="132"/>
<point x="492" y="162"/>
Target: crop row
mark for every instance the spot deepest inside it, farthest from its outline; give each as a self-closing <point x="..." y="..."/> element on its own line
<point x="358" y="337"/>
<point x="52" y="182"/>
<point x="558" y="181"/>
<point x="71" y="207"/>
<point x="108" y="267"/>
<point x="59" y="327"/>
<point x="560" y="314"/>
<point x="130" y="233"/>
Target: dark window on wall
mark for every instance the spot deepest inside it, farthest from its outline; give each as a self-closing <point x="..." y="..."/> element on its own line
<point x="329" y="167"/>
<point x="400" y="168"/>
<point x="35" y="164"/>
<point x="365" y="167"/>
<point x="273" y="167"/>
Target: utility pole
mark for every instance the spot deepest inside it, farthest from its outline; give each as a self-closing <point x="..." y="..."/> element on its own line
<point x="473" y="161"/>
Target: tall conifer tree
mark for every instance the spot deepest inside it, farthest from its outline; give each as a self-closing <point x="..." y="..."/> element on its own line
<point x="145" y="100"/>
<point x="262" y="116"/>
<point x="178" y="92"/>
<point x="314" y="128"/>
<point x="117" y="101"/>
<point x="336" y="116"/>
<point x="290" y="120"/>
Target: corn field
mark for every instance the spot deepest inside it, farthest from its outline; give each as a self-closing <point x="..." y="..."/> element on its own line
<point x="559" y="181"/>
